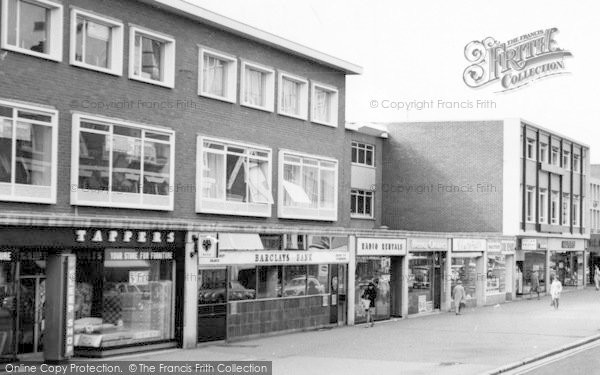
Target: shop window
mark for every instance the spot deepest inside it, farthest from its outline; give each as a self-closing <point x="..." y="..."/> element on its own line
<point x="33" y="27"/>
<point x="374" y="270"/>
<point x="235" y="179"/>
<point x="363" y="154"/>
<point x="534" y="261"/>
<point x="361" y="204"/>
<point x="293" y="96"/>
<point x="324" y="105"/>
<point x="465" y="269"/>
<point x="496" y="273"/>
<point x="317" y="281"/>
<point x="218" y="75"/>
<point x="257" y="86"/>
<point x="96" y="42"/>
<point x="123" y="300"/>
<point x="28" y="153"/>
<point x="309" y="187"/>
<point x="151" y="57"/>
<point x="212" y="286"/>
<point x="420" y="283"/>
<point x="294" y="282"/>
<point x="242" y="283"/>
<point x="269" y="282"/>
<point x="117" y="164"/>
<point x="567" y="267"/>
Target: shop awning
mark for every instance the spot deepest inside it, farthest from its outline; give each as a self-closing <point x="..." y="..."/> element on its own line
<point x="240" y="241"/>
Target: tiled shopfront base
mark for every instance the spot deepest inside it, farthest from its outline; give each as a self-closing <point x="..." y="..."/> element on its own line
<point x="253" y="318"/>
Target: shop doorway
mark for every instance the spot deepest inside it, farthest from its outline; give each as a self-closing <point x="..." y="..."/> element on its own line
<point x="212" y="304"/>
<point x="31" y="314"/>
<point x="425" y="282"/>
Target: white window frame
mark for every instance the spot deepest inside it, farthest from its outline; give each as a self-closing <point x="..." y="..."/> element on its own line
<point x="530" y="149"/>
<point x="576" y="208"/>
<point x="168" y="62"/>
<point x="303" y="99"/>
<point x="334" y="103"/>
<point x="290" y="212"/>
<point x="356" y="145"/>
<point x="116" y="41"/>
<point x="366" y="194"/>
<point x="223" y="206"/>
<point x="76" y="200"/>
<point x="269" y="86"/>
<point x="544" y="152"/>
<point x="55" y="33"/>
<point x="543" y="206"/>
<point x="232" y="67"/>
<point x="566" y="209"/>
<point x="566" y="154"/>
<point x="555" y="152"/>
<point x="44" y="110"/>
<point x="576" y="161"/>
<point x="556" y="203"/>
<point x="530" y="204"/>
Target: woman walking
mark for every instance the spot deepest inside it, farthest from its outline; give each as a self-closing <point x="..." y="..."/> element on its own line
<point x="555" y="290"/>
<point x="370" y="294"/>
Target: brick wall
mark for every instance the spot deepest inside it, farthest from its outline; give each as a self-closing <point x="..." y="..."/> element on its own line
<point x="69" y="88"/>
<point x="431" y="173"/>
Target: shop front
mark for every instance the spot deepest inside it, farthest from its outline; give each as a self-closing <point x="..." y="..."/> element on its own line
<point x="252" y="284"/>
<point x="426" y="269"/>
<point x="531" y="257"/>
<point x="379" y="261"/>
<point x="117" y="287"/>
<point x="566" y="261"/>
<point x="468" y="266"/>
<point x="500" y="257"/>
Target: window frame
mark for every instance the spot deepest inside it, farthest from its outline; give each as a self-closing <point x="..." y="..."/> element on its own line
<point x="168" y="59"/>
<point x="77" y="119"/>
<point x="543" y="206"/>
<point x="576" y="162"/>
<point x="334" y="102"/>
<point x="354" y="194"/>
<point x="116" y="41"/>
<point x="291" y="212"/>
<point x="269" y="86"/>
<point x="566" y="209"/>
<point x="303" y="99"/>
<point x="231" y="207"/>
<point x="555" y="201"/>
<point x="55" y="32"/>
<point x="51" y="111"/>
<point x="555" y="151"/>
<point x="544" y="153"/>
<point x="530" y="149"/>
<point x="566" y="154"/>
<point x="365" y="146"/>
<point x="576" y="212"/>
<point x="232" y="71"/>
<point x="530" y="204"/>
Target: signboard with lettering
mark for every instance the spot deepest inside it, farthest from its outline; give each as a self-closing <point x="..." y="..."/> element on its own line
<point x="566" y="244"/>
<point x="139" y="277"/>
<point x="428" y="244"/>
<point x="509" y="246"/>
<point x="494" y="246"/>
<point x="528" y="244"/>
<point x="274" y="257"/>
<point x="70" y="306"/>
<point x="380" y="246"/>
<point x="129" y="237"/>
<point x="468" y="244"/>
<point x="129" y="254"/>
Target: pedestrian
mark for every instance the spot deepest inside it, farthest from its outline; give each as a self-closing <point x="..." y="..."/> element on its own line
<point x="597" y="277"/>
<point x="370" y="294"/>
<point x="555" y="290"/>
<point x="535" y="284"/>
<point x="458" y="294"/>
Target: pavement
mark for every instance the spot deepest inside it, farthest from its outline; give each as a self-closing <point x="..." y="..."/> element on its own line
<point x="483" y="340"/>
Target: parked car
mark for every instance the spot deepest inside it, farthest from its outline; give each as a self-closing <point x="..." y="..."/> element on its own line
<point x="298" y="285"/>
<point x="218" y="295"/>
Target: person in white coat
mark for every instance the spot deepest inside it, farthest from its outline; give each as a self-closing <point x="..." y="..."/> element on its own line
<point x="555" y="290"/>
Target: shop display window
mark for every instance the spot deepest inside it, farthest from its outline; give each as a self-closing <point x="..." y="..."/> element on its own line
<point x="242" y="283"/>
<point x="123" y="297"/>
<point x="465" y="269"/>
<point x="420" y="283"/>
<point x="568" y="267"/>
<point x="376" y="270"/>
<point x="533" y="261"/>
<point x="496" y="273"/>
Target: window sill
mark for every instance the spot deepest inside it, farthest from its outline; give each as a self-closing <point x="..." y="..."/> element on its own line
<point x="361" y="217"/>
<point x="128" y="200"/>
<point x="330" y="124"/>
<point x="264" y="108"/>
<point x="302" y="117"/>
<point x="152" y="81"/>
<point x="51" y="57"/>
<point x="113" y="72"/>
<point x="286" y="212"/>
<point x="217" y="97"/>
<point x="221" y="207"/>
<point x="354" y="164"/>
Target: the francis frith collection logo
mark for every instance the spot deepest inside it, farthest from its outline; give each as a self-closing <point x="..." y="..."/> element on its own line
<point x="515" y="63"/>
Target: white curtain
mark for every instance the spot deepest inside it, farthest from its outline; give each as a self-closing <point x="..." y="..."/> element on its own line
<point x="214" y="76"/>
<point x="310" y="183"/>
<point x="321" y="106"/>
<point x="290" y="97"/>
<point x="213" y="176"/>
<point x="255" y="87"/>
<point x="258" y="183"/>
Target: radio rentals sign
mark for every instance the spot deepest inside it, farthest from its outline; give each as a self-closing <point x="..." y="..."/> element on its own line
<point x="380" y="246"/>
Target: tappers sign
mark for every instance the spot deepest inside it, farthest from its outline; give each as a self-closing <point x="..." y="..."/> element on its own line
<point x="515" y="63"/>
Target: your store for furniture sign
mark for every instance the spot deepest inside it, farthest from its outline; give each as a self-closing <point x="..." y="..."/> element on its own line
<point x="516" y="63"/>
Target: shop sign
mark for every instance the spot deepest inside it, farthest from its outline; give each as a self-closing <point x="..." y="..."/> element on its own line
<point x="428" y="244"/>
<point x="70" y="307"/>
<point x="5" y="256"/>
<point x="139" y="277"/>
<point x="422" y="303"/>
<point x="528" y="244"/>
<point x="508" y="246"/>
<point x="207" y="248"/>
<point x="493" y="286"/>
<point x="494" y="246"/>
<point x="114" y="254"/>
<point x="124" y="236"/>
<point x="571" y="244"/>
<point x="274" y="257"/>
<point x="380" y="246"/>
<point x="468" y="244"/>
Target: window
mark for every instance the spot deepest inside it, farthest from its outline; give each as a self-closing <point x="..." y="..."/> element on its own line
<point x="258" y="86"/>
<point x="543" y="153"/>
<point x="576" y="163"/>
<point x="554" y="208"/>
<point x="543" y="205"/>
<point x="234" y="178"/>
<point x="119" y="164"/>
<point x="555" y="155"/>
<point x="293" y="96"/>
<point x="151" y="57"/>
<point x="530" y="204"/>
<point x="307" y="186"/>
<point x="33" y="27"/>
<point x="567" y="160"/>
<point x="576" y="210"/>
<point x="217" y="75"/>
<point x="96" y="42"/>
<point x="324" y="105"/>
<point x="363" y="153"/>
<point x="28" y="153"/>
<point x="361" y="203"/>
<point x="566" y="212"/>
<point x="530" y="149"/>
